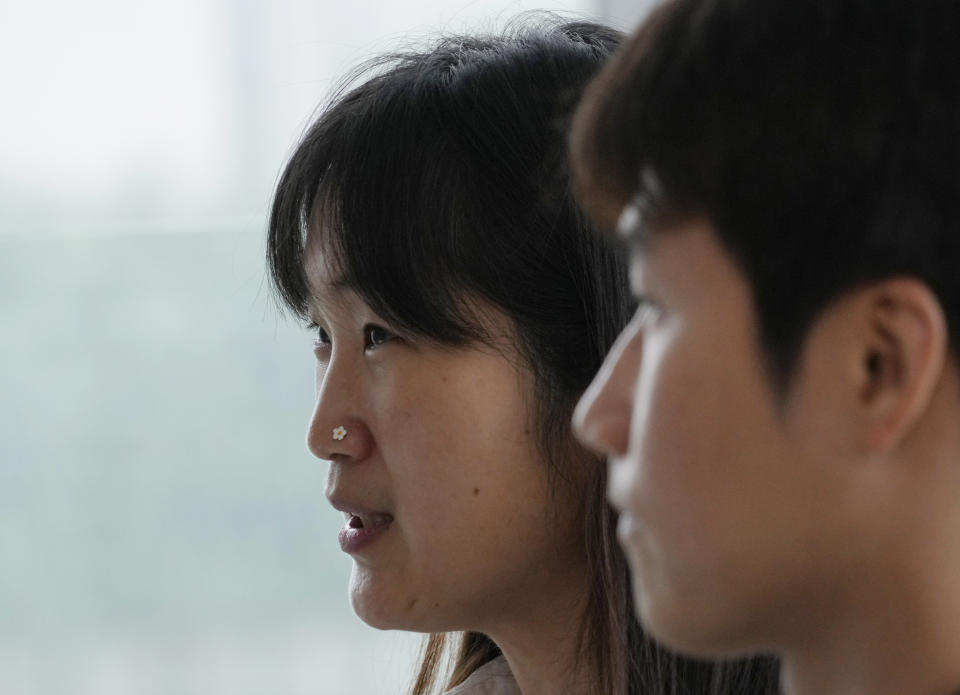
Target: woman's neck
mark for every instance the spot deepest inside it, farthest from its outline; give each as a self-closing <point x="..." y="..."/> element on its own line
<point x="542" y="643"/>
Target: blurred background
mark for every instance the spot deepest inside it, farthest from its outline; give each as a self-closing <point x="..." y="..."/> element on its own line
<point x="163" y="529"/>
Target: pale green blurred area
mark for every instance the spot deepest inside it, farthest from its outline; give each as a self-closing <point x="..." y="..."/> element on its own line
<point x="163" y="529"/>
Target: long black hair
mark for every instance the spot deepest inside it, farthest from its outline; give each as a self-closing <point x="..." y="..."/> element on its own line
<point x="436" y="185"/>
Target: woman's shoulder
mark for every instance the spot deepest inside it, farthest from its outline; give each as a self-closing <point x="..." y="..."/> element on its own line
<point x="493" y="678"/>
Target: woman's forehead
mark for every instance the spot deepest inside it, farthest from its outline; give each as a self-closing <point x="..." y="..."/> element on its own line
<point x="321" y="261"/>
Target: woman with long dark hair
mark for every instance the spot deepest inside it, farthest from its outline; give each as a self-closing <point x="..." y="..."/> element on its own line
<point x="461" y="304"/>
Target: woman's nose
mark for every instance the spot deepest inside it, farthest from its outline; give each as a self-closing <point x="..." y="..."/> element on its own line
<point x="338" y="428"/>
<point x="602" y="418"/>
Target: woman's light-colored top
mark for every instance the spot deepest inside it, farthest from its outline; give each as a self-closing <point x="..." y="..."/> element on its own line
<point x="493" y="678"/>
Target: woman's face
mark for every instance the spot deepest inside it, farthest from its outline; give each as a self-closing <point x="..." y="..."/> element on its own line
<point x="447" y="512"/>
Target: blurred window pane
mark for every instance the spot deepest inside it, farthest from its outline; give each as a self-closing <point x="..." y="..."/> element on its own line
<point x="163" y="527"/>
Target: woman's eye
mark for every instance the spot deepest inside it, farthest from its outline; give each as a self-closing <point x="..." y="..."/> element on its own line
<point x="320" y="337"/>
<point x="374" y="336"/>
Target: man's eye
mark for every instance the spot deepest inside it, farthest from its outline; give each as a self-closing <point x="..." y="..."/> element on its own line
<point x="374" y="336"/>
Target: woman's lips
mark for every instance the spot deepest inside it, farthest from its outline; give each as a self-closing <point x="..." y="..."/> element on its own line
<point x="363" y="529"/>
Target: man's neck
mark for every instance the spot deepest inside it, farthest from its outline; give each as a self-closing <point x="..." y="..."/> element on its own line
<point x="899" y="634"/>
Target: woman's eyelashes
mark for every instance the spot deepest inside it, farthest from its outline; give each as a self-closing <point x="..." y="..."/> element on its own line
<point x="321" y="339"/>
<point x="374" y="336"/>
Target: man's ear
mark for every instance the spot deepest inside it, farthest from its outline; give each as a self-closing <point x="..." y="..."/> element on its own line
<point x="903" y="352"/>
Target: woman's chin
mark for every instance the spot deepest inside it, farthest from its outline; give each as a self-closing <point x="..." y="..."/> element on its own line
<point x="386" y="618"/>
<point x="408" y="613"/>
<point x="378" y="621"/>
<point x="378" y="609"/>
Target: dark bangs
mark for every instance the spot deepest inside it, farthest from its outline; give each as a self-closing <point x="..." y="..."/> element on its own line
<point x="376" y="184"/>
<point x="440" y="180"/>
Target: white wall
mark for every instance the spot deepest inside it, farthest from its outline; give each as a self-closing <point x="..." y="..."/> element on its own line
<point x="162" y="113"/>
<point x="625" y="14"/>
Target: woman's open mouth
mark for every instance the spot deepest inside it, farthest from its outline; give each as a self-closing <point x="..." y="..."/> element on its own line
<point x="362" y="529"/>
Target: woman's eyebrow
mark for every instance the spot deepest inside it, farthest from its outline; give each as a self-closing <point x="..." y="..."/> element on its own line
<point x="335" y="287"/>
<point x="338" y="291"/>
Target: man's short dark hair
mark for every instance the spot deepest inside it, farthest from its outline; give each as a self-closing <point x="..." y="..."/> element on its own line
<point x="821" y="139"/>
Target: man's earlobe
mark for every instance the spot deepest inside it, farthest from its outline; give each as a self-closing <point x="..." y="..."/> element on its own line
<point x="903" y="359"/>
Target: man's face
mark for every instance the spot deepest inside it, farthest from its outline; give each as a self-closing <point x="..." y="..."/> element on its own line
<point x="724" y="487"/>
